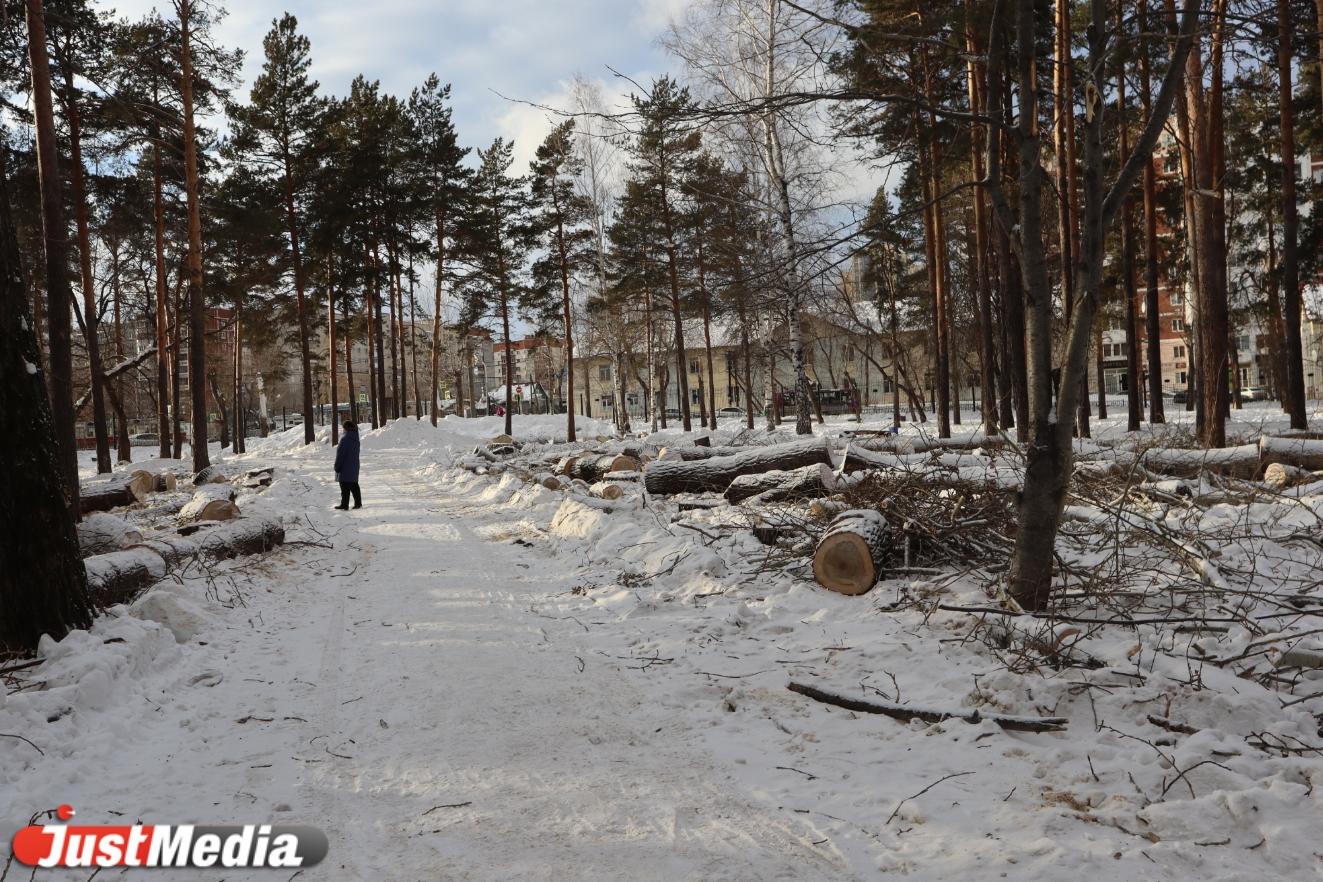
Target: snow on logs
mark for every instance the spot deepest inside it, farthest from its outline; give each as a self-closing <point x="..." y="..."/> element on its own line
<point x="101" y="532"/>
<point x="595" y="467"/>
<point x="212" y="502"/>
<point x="779" y="485"/>
<point x="1242" y="461"/>
<point x="120" y="575"/>
<point x="715" y="474"/>
<point x="848" y="559"/>
<point x="105" y="495"/>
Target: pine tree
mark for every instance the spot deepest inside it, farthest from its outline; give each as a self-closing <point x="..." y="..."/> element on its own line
<point x="495" y="239"/>
<point x="563" y="217"/>
<point x="274" y="132"/>
<point x="664" y="152"/>
<point x="440" y="158"/>
<point x="60" y="301"/>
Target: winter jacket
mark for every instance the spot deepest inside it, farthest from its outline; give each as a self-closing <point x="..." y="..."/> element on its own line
<point x="346" y="458"/>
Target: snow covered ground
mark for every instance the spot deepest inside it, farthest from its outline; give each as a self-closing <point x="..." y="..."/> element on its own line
<point x="475" y="677"/>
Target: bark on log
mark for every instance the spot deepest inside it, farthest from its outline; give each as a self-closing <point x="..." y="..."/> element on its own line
<point x="242" y="536"/>
<point x="1303" y="453"/>
<point x="715" y="474"/>
<point x="849" y="556"/>
<point x="594" y="468"/>
<point x="905" y="713"/>
<point x="209" y="475"/>
<point x="101" y="532"/>
<point x="688" y="454"/>
<point x="121" y="575"/>
<point x="211" y="503"/>
<point x="1241" y="462"/>
<point x="778" y="485"/>
<point x="105" y="495"/>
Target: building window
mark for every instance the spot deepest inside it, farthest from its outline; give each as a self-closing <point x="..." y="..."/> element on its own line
<point x="1180" y="377"/>
<point x="1177" y="298"/>
<point x="1178" y="325"/>
<point x="604" y="372"/>
<point x="693" y="365"/>
<point x="1178" y="352"/>
<point x="1243" y="344"/>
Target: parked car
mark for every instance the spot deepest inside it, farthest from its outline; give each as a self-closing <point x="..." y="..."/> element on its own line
<point x="731" y="411"/>
<point x="144" y="439"/>
<point x="1179" y="397"/>
<point x="1253" y="393"/>
<point x="672" y="413"/>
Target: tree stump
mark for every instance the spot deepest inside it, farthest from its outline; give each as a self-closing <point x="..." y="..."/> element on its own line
<point x="849" y="556"/>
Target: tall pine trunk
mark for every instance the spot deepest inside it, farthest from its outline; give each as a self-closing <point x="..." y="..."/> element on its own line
<point x="197" y="317"/>
<point x="1152" y="318"/>
<point x="1295" y="369"/>
<point x="91" y="315"/>
<point x="300" y="300"/>
<point x="55" y="236"/>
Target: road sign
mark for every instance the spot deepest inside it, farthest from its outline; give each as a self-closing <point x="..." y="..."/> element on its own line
<point x="362" y="398"/>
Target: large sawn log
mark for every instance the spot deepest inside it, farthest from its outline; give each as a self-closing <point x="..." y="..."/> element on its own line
<point x="715" y="474"/>
<point x="105" y="495"/>
<point x="211" y="502"/>
<point x="849" y="556"/>
<point x="777" y="486"/>
<point x="119" y="576"/>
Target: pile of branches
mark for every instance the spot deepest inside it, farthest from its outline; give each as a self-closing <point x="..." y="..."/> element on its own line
<point x="953" y="521"/>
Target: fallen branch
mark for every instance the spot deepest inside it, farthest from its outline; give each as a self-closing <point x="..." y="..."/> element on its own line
<point x="905" y="713"/>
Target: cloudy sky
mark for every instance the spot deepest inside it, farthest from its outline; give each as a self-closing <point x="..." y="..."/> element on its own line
<point x="524" y="49"/>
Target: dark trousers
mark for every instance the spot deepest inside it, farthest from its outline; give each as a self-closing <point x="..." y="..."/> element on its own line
<point x="345" y="489"/>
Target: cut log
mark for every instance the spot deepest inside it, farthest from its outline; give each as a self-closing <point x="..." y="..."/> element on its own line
<point x="566" y="465"/>
<point x="716" y="473"/>
<point x="142" y="482"/>
<point x="238" y="537"/>
<point x="105" y="495"/>
<point x="778" y="486"/>
<point x="593" y="468"/>
<point x="607" y="490"/>
<point x="101" y="532"/>
<point x="548" y="480"/>
<point x="905" y="712"/>
<point x="119" y="576"/>
<point x="214" y="502"/>
<point x="1279" y="475"/>
<point x="1302" y="453"/>
<point x="500" y="441"/>
<point x="849" y="556"/>
<point x="688" y="454"/>
<point x="1242" y="461"/>
<point x="858" y="457"/>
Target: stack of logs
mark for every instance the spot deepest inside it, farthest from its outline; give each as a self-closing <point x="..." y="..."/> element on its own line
<point x="120" y="563"/>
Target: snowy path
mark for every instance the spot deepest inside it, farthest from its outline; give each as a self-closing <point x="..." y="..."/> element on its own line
<point x="401" y="695"/>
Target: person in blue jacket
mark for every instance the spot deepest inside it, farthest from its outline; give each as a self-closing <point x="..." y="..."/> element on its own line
<point x="346" y="466"/>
